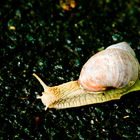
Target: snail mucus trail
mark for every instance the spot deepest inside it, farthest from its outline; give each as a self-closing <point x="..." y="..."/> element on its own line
<point x="123" y="69"/>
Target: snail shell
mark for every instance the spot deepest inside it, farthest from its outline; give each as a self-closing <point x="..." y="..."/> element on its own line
<point x="114" y="67"/>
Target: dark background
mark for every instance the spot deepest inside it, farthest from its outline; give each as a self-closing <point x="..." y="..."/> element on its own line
<point x="41" y="37"/>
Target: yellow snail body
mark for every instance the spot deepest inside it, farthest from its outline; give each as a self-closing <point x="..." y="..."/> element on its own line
<point x="115" y="67"/>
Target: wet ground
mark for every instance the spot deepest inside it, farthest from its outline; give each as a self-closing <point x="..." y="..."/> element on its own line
<point x="54" y="39"/>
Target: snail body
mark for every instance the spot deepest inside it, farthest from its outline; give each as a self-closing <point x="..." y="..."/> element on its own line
<point x="115" y="67"/>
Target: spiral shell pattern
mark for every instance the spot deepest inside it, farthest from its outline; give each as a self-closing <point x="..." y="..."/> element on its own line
<point x="115" y="67"/>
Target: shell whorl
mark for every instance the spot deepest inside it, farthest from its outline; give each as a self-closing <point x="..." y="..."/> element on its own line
<point x="124" y="46"/>
<point x="114" y="67"/>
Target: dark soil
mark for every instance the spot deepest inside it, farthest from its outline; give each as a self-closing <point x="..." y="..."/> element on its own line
<point x="42" y="37"/>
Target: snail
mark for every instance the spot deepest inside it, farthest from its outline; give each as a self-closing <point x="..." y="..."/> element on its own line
<point x="106" y="76"/>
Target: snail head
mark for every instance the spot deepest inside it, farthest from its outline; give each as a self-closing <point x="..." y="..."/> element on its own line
<point x="48" y="97"/>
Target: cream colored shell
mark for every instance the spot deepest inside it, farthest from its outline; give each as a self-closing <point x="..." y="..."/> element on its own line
<point x="114" y="67"/>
